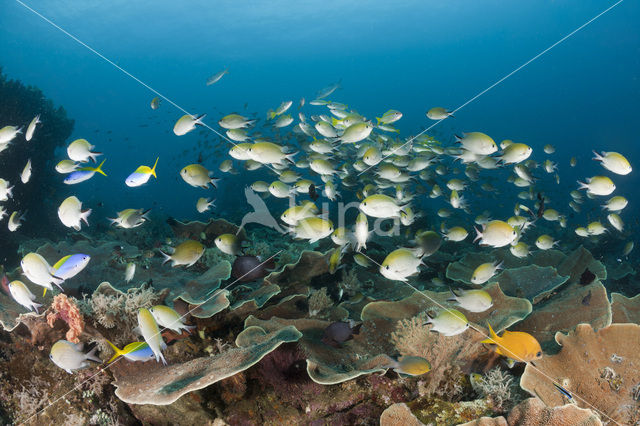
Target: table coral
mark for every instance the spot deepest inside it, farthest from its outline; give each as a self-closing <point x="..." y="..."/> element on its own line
<point x="587" y="367"/>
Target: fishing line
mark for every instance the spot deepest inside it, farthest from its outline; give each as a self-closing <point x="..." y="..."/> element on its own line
<point x="482" y="333"/>
<point x="127" y="73"/>
<point x="159" y="333"/>
<point x="497" y="82"/>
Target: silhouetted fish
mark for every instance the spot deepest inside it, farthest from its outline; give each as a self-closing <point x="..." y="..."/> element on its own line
<point x="339" y="332"/>
<point x="587" y="277"/>
<point x="251" y="268"/>
<point x="312" y="192"/>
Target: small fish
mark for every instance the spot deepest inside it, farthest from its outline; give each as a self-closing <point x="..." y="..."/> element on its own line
<point x="312" y="192"/>
<point x="216" y="77"/>
<point x="516" y="345"/>
<point x="361" y="260"/>
<point x="449" y="322"/>
<point x="411" y="366"/>
<point x="69" y="356"/>
<point x="80" y="150"/>
<point x="70" y="266"/>
<point x="228" y="244"/>
<point x="439" y="113"/>
<point x="389" y="117"/>
<point x="336" y="333"/>
<point x="169" y="318"/>
<point x="71" y="214"/>
<point x="66" y="166"/>
<point x="614" y="162"/>
<point x="187" y="123"/>
<point x="472" y="300"/>
<point x="204" y="204"/>
<point x="587" y="277"/>
<point x="564" y="392"/>
<point x="84" y="173"/>
<point x="38" y="271"/>
<point x="149" y="329"/>
<point x="26" y="172"/>
<point x="6" y="191"/>
<point x="484" y="272"/>
<point x="15" y="221"/>
<point x="141" y="175"/>
<point x="496" y="234"/>
<point x="198" y="176"/>
<point x="155" y="103"/>
<point x="129" y="272"/>
<point x="136" y="351"/>
<point x="32" y="127"/>
<point x="21" y="294"/>
<point x="186" y="253"/>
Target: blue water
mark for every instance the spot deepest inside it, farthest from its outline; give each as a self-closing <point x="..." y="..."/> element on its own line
<point x="406" y="55"/>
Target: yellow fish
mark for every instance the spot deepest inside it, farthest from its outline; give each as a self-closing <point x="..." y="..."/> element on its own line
<point x="516" y="345"/>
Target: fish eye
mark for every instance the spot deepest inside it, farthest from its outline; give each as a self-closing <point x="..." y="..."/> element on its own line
<point x="387" y="266"/>
<point x="539" y="354"/>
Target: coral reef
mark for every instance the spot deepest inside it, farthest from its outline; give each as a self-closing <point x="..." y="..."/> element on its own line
<point x="586" y="364"/>
<point x="164" y="385"/>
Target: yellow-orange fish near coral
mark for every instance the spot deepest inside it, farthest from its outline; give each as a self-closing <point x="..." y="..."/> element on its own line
<point x="516" y="345"/>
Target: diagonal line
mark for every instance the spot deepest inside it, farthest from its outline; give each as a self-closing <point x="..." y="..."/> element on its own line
<point x="498" y="82"/>
<point x="127" y="73"/>
<point x="472" y="326"/>
<point x="215" y="293"/>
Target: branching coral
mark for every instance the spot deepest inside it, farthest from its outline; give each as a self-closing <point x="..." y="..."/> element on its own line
<point x="410" y="337"/>
<point x="66" y="309"/>
<point x="32" y="397"/>
<point x="110" y="308"/>
<point x="501" y="389"/>
<point x="319" y="301"/>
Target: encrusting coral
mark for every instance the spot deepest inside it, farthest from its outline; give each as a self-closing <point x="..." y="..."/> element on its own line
<point x="66" y="309"/>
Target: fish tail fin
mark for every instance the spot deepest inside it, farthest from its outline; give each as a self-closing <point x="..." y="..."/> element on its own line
<point x="454" y="296"/>
<point x="334" y="121"/>
<point x="10" y="191"/>
<point x="118" y="352"/>
<point x="84" y="216"/>
<point x="93" y="155"/>
<point x="378" y="119"/>
<point x="91" y="355"/>
<point x="166" y="257"/>
<point x="190" y="328"/>
<point x="493" y="337"/>
<point x="153" y="170"/>
<point x="35" y="306"/>
<point x="199" y="119"/>
<point x="597" y="157"/>
<point x="583" y="185"/>
<point x="99" y="168"/>
<point x="478" y="234"/>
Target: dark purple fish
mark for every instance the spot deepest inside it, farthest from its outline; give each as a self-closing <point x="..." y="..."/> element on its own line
<point x="339" y="332"/>
<point x="251" y="268"/>
<point x="312" y="192"/>
<point x="587" y="277"/>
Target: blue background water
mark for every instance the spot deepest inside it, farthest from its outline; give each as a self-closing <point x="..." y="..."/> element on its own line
<point x="406" y="55"/>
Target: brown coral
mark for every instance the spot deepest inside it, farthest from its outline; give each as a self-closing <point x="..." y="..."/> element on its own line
<point x="65" y="309"/>
<point x="587" y="367"/>
<point x="533" y="412"/>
